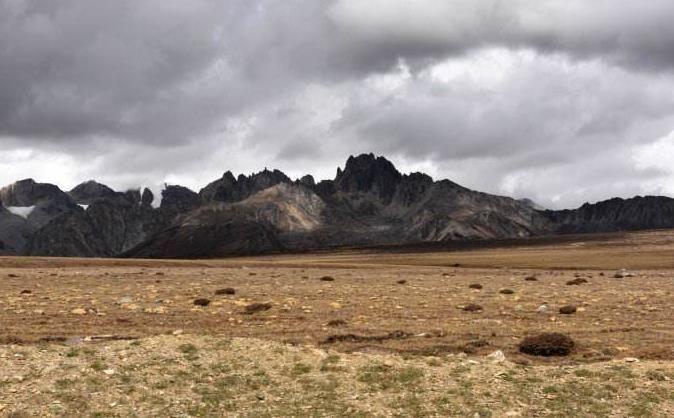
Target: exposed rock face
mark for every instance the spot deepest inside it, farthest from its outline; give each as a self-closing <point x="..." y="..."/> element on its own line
<point x="308" y="181"/>
<point x="229" y="189"/>
<point x="367" y="203"/>
<point x="90" y="191"/>
<point x="369" y="174"/>
<point x="47" y="200"/>
<point x="28" y="193"/>
<point x="108" y="227"/>
<point x="448" y="211"/>
<point x="14" y="233"/>
<point x="649" y="212"/>
<point x="255" y="225"/>
<point x="147" y="198"/>
<point x="178" y="199"/>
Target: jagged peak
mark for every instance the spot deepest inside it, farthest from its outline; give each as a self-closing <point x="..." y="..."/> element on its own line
<point x="367" y="173"/>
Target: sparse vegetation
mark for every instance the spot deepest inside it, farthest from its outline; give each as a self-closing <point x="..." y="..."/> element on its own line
<point x="417" y="354"/>
<point x="473" y="307"/>
<point x="257" y="307"/>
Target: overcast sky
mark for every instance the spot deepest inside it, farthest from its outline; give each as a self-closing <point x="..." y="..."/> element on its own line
<point x="561" y="101"/>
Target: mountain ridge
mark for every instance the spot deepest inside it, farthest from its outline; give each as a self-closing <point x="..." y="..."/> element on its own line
<point x="369" y="202"/>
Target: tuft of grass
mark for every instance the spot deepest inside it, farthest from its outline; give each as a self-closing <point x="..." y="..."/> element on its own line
<point x="300" y="369"/>
<point x="189" y="351"/>
<point x="98" y="365"/>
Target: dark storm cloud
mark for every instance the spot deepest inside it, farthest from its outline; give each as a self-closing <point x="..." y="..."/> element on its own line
<point x="486" y="91"/>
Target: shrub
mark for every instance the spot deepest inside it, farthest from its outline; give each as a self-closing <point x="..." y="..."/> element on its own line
<point x="547" y="344"/>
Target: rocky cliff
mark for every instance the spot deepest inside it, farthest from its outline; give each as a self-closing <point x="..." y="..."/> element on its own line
<point x="369" y="202"/>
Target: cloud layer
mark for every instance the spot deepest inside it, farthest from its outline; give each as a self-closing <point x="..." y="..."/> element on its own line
<point x="562" y="101"/>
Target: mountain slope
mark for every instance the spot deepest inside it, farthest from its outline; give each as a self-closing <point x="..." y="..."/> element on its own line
<point x="369" y="202"/>
<point x="254" y="225"/>
<point x="649" y="212"/>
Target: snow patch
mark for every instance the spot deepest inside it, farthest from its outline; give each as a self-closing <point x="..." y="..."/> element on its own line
<point x="22" y="211"/>
<point x="83" y="206"/>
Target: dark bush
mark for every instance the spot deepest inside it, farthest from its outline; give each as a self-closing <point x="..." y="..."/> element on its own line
<point x="576" y="282"/>
<point x="225" y="291"/>
<point x="201" y="302"/>
<point x="472" y="307"/>
<point x="547" y="344"/>
<point x="336" y="323"/>
<point x="568" y="310"/>
<point x="327" y="279"/>
<point x="257" y="307"/>
<point x="506" y="291"/>
<point x="475" y="286"/>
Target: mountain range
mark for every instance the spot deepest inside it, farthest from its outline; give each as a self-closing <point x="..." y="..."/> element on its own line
<point x="369" y="202"/>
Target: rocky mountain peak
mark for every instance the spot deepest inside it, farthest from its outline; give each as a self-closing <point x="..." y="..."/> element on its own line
<point x="367" y="173"/>
<point x="89" y="191"/>
<point x="147" y="198"/>
<point x="178" y="199"/>
<point x="230" y="189"/>
<point x="28" y="192"/>
<point x="307" y="181"/>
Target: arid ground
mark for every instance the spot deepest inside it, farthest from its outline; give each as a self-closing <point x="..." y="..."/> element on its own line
<point x="352" y="333"/>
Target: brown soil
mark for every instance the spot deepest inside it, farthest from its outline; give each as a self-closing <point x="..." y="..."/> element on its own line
<point x="629" y="317"/>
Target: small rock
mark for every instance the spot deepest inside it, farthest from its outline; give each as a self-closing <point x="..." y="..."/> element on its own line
<point x="631" y="360"/>
<point x="79" y="311"/>
<point x="155" y="310"/>
<point x="477" y="286"/>
<point x="506" y="291"/>
<point x="109" y="372"/>
<point x="401" y="281"/>
<point x="497" y="356"/>
<point x="124" y="300"/>
<point x="177" y="332"/>
<point x="226" y="291"/>
<point x="327" y="279"/>
<point x="542" y="309"/>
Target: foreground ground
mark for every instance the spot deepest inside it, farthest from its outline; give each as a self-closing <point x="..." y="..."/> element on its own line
<point x="213" y="376"/>
<point x="369" y="332"/>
